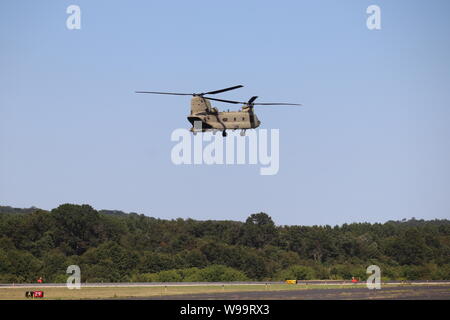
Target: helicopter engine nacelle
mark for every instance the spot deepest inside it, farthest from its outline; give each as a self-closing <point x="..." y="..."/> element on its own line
<point x="199" y="105"/>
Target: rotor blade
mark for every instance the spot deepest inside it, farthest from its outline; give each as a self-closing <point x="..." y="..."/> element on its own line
<point x="171" y="93"/>
<point x="252" y="99"/>
<point x="276" y="104"/>
<point x="222" y="90"/>
<point x="227" y="101"/>
<point x="253" y="104"/>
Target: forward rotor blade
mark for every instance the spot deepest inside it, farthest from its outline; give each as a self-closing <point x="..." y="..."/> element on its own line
<point x="222" y="90"/>
<point x="171" y="93"/>
<point x="192" y="94"/>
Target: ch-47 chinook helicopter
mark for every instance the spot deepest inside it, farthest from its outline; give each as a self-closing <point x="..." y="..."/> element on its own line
<point x="211" y="119"/>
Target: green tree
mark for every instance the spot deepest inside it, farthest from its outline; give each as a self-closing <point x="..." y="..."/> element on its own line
<point x="296" y="273"/>
<point x="409" y="248"/>
<point x="54" y="263"/>
<point x="151" y="262"/>
<point x="218" y="273"/>
<point x="259" y="230"/>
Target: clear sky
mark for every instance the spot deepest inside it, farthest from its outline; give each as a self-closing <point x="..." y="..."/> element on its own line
<point x="370" y="144"/>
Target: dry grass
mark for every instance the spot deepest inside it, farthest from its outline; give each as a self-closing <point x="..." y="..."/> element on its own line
<point x="130" y="292"/>
<point x="62" y="293"/>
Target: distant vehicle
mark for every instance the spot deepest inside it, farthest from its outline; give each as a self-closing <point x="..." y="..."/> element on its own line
<point x="211" y="119"/>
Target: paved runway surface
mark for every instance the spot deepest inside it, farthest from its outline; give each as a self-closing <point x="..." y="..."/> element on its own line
<point x="441" y="292"/>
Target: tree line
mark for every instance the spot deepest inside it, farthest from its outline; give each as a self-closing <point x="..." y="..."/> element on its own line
<point x="112" y="246"/>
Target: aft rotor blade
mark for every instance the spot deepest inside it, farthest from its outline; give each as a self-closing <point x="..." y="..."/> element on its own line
<point x="222" y="90"/>
<point x="252" y="99"/>
<point x="227" y="101"/>
<point x="171" y="93"/>
<point x="252" y="104"/>
<point x="276" y="104"/>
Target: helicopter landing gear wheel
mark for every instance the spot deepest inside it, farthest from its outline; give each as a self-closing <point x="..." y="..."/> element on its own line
<point x="224" y="133"/>
<point x="242" y="133"/>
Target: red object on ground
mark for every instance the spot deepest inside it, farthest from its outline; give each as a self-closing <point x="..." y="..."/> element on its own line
<point x="40" y="280"/>
<point x="354" y="280"/>
<point x="38" y="294"/>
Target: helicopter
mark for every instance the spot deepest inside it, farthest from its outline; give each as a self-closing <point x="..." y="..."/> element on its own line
<point x="211" y="119"/>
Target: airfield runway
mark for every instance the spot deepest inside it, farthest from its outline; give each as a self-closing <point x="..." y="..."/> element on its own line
<point x="360" y="293"/>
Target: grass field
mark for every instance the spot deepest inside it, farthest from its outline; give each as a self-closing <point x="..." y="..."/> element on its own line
<point x="57" y="293"/>
<point x="129" y="292"/>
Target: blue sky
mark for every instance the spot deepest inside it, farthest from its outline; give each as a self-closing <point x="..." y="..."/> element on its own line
<point x="370" y="144"/>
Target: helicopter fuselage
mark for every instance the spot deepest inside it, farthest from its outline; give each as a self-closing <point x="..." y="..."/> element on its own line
<point x="209" y="118"/>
